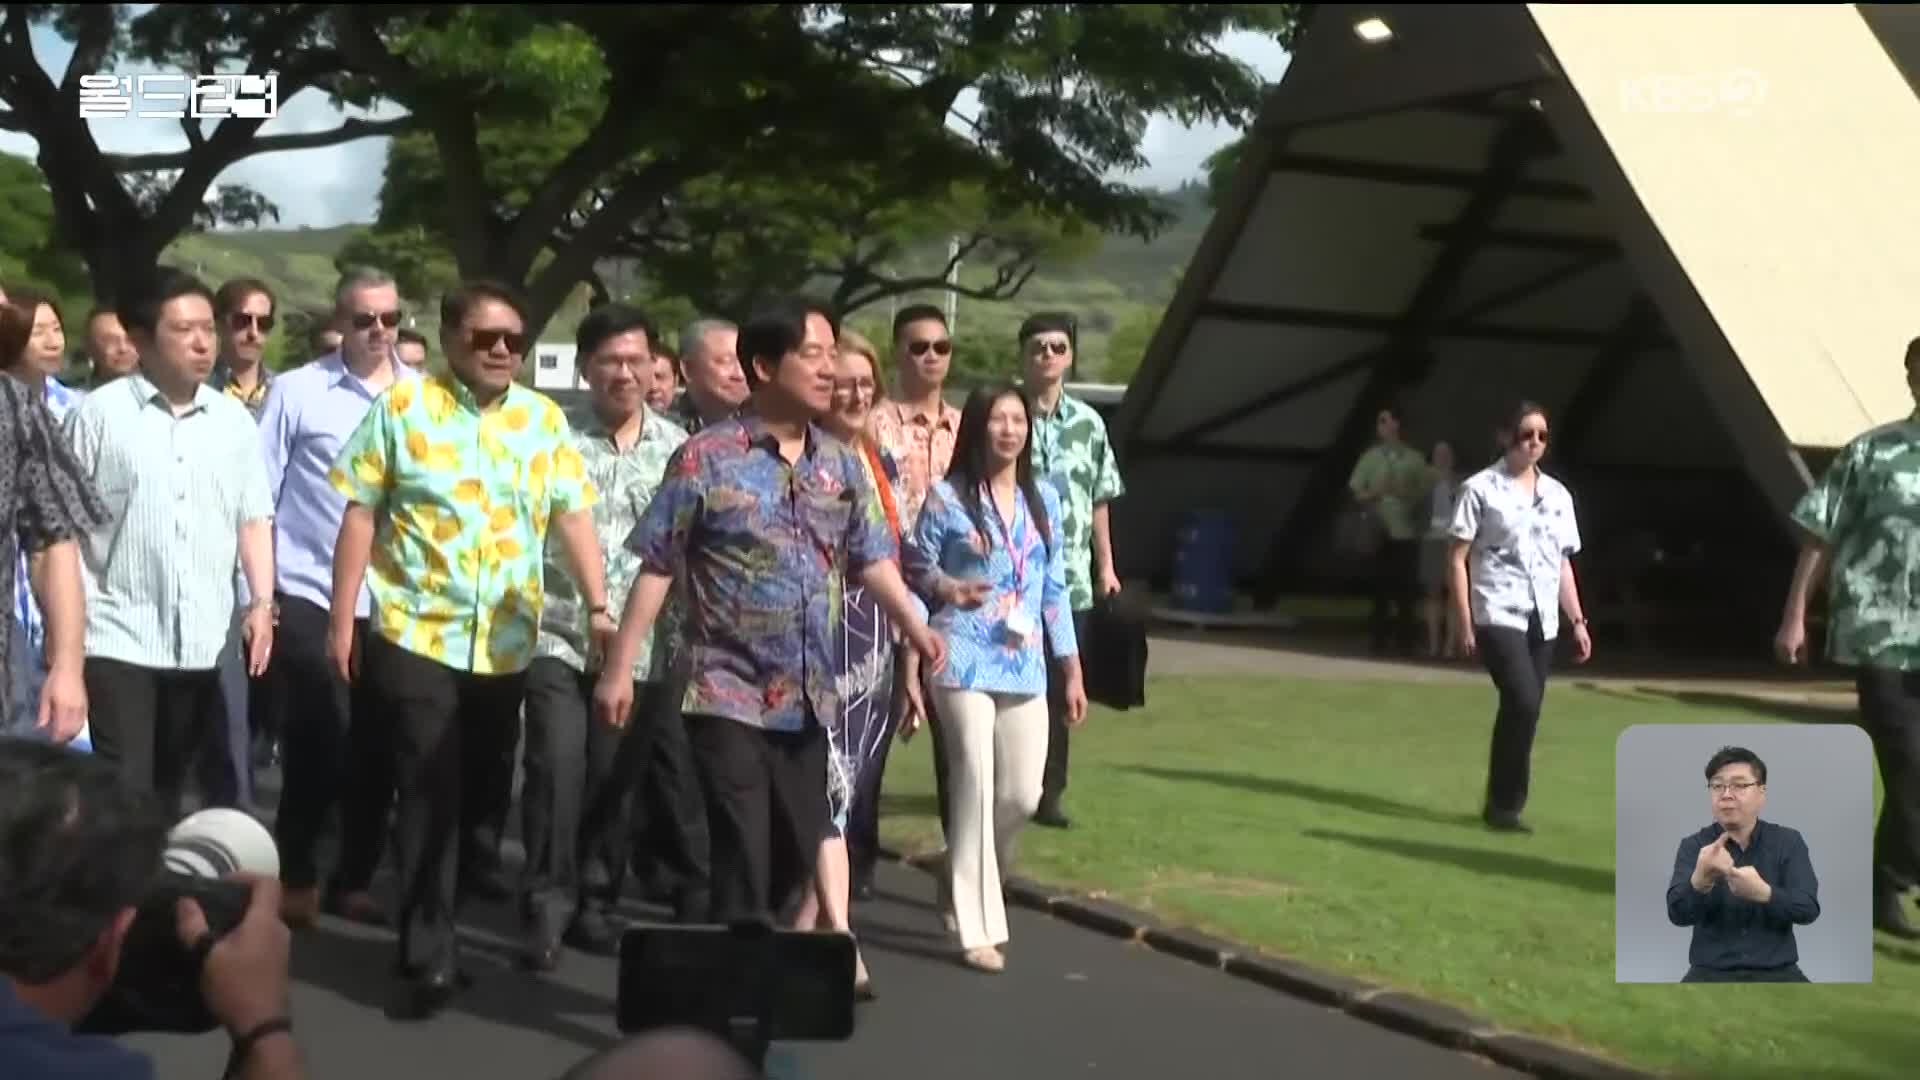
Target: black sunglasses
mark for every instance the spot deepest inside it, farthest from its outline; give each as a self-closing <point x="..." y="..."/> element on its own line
<point x="485" y="340"/>
<point x="1057" y="348"/>
<point x="364" y="319"/>
<point x="940" y="348"/>
<point x="1538" y="434"/>
<point x="240" y="320"/>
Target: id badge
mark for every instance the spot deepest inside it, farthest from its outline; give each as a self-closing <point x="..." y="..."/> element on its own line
<point x="1020" y="624"/>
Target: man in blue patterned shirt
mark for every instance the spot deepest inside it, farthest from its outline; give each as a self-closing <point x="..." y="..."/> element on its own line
<point x="766" y="517"/>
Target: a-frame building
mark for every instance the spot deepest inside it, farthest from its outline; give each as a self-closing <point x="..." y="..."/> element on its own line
<point x="1690" y="231"/>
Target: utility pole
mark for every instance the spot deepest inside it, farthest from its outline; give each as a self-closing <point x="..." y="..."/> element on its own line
<point x="953" y="278"/>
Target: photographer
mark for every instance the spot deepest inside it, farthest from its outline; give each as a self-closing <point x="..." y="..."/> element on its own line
<point x="78" y="853"/>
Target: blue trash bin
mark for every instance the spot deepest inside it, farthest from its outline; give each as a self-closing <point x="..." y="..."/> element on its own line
<point x="1203" y="562"/>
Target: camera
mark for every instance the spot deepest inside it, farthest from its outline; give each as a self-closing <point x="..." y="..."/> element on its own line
<point x="748" y="984"/>
<point x="157" y="988"/>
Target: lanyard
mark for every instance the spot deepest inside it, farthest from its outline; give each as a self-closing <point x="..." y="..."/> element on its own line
<point x="1016" y="553"/>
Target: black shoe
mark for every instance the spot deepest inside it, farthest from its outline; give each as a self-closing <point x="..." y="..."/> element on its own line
<point x="1507" y="823"/>
<point x="594" y="933"/>
<point x="1051" y="816"/>
<point x="1890" y="916"/>
<point x="421" y="997"/>
<point x="485" y="885"/>
<point x="540" y="948"/>
<point x="863" y="888"/>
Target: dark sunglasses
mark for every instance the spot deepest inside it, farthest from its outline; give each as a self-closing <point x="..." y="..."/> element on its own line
<point x="940" y="348"/>
<point x="1057" y="348"/>
<point x="364" y="319"/>
<point x="240" y="320"/>
<point x="485" y="340"/>
<point x="1537" y="434"/>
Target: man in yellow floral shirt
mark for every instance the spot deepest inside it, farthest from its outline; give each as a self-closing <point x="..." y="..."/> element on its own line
<point x="453" y="480"/>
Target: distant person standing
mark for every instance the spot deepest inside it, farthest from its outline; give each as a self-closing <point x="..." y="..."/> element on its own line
<point x="710" y="363"/>
<point x="1393" y="479"/>
<point x="664" y="387"/>
<point x="1072" y="451"/>
<point x="410" y="348"/>
<point x="110" y="352"/>
<point x="1443" y="638"/>
<point x="1858" y="526"/>
<point x="324" y="339"/>
<point x="1514" y="537"/>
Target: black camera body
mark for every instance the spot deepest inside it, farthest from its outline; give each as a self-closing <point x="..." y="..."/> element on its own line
<point x="748" y="984"/>
<point x="158" y="985"/>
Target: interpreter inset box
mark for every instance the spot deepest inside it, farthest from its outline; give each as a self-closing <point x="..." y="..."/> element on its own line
<point x="1743" y="853"/>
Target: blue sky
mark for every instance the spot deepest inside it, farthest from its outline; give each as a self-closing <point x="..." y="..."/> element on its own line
<point x="340" y="184"/>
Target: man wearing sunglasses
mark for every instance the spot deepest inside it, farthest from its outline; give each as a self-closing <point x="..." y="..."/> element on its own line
<point x="1071" y="449"/>
<point x="243" y="309"/>
<point x="453" y="482"/>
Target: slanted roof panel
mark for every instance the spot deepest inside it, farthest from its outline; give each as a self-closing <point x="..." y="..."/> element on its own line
<point x="1799" y="231"/>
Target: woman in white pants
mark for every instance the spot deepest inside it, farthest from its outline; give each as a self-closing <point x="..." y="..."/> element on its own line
<point x="986" y="555"/>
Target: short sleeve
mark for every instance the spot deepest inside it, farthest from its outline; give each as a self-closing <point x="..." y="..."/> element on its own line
<point x="660" y="537"/>
<point x="1825" y="510"/>
<point x="256" y="494"/>
<point x="1570" y="527"/>
<point x="1363" y="471"/>
<point x="1466" y="513"/>
<point x="1055" y="613"/>
<point x="57" y="501"/>
<point x="869" y="537"/>
<point x="1107" y="482"/>
<point x="363" y="471"/>
<point x="569" y="489"/>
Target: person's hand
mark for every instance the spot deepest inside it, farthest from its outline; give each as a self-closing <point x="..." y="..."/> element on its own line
<point x="1746" y="883"/>
<point x="1468" y="646"/>
<point x="600" y="633"/>
<point x="1582" y="644"/>
<point x="340" y="652"/>
<point x="1713" y="863"/>
<point x="613" y="698"/>
<point x="1109" y="582"/>
<point x="1790" y="643"/>
<point x="244" y="977"/>
<point x="63" y="703"/>
<point x="914" y="712"/>
<point x="1076" y="701"/>
<point x="931" y="647"/>
<point x="966" y="595"/>
<point x="257" y="632"/>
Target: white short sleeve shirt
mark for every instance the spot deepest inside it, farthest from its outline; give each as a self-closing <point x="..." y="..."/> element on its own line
<point x="1518" y="544"/>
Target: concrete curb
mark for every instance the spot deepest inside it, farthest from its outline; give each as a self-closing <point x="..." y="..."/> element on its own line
<point x="1427" y="1020"/>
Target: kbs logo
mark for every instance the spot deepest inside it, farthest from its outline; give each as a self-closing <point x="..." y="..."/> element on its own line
<point x="1736" y="93"/>
<point x="180" y="97"/>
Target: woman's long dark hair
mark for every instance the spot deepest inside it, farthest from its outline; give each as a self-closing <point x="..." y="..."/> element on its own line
<point x="970" y="467"/>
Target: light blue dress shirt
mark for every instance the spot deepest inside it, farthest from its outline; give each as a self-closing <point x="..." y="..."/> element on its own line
<point x="996" y="647"/>
<point x="308" y="415"/>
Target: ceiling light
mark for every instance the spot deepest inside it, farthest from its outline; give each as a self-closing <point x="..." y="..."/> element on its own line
<point x="1373" y="30"/>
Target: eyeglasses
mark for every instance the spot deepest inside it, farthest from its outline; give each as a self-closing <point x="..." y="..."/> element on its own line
<point x="363" y="320"/>
<point x="1738" y="788"/>
<point x="1533" y="434"/>
<point x="485" y="340"/>
<point x="940" y="348"/>
<point x="1057" y="348"/>
<point x="240" y="320"/>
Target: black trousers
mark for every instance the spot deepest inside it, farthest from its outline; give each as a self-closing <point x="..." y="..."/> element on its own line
<point x="766" y="794"/>
<point x="1890" y="712"/>
<point x="453" y="737"/>
<point x="155" y="725"/>
<point x="1789" y="974"/>
<point x="1519" y="662"/>
<point x="670" y="841"/>
<point x="863" y="816"/>
<point x="576" y="801"/>
<point x="1054" y="784"/>
<point x="336" y="762"/>
<point x="1396" y="588"/>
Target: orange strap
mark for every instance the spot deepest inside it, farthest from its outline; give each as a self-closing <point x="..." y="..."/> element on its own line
<point x="879" y="471"/>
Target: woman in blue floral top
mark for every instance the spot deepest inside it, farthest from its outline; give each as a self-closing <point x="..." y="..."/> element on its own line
<point x="985" y="554"/>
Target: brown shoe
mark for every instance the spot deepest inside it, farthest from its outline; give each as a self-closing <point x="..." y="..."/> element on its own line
<point x="358" y="906"/>
<point x="300" y="907"/>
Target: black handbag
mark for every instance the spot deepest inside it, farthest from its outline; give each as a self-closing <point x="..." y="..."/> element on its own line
<point x="1358" y="531"/>
<point x="1113" y="659"/>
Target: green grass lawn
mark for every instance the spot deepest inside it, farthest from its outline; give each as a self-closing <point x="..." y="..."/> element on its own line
<point x="1338" y="823"/>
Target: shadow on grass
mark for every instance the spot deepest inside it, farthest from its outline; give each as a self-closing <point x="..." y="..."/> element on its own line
<point x="1480" y="860"/>
<point x="1793" y="712"/>
<point x="1890" y="1050"/>
<point x="1898" y="953"/>
<point x="1295" y="789"/>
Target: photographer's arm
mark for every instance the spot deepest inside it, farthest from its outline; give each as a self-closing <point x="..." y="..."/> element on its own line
<point x="246" y="983"/>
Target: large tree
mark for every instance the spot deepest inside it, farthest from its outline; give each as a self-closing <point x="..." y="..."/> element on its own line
<point x="119" y="212"/>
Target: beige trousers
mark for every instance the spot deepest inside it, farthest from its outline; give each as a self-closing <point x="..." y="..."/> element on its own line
<point x="997" y="759"/>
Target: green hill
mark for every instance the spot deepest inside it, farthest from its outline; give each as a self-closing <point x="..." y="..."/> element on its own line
<point x="1117" y="293"/>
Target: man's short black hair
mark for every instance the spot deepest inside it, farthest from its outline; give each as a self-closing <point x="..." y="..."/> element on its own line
<point x="407" y="335"/>
<point x="778" y="328"/>
<point x="455" y="305"/>
<point x="1051" y="322"/>
<point x="77" y="847"/>
<point x="146" y="294"/>
<point x="234" y="293"/>
<point x="610" y="321"/>
<point x="914" y="313"/>
<point x="1913" y="356"/>
<point x="1737" y="755"/>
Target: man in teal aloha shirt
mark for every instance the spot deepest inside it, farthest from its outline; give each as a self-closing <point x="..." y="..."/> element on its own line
<point x="1072" y="451"/>
<point x="1395" y="480"/>
<point x="1863" y="521"/>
